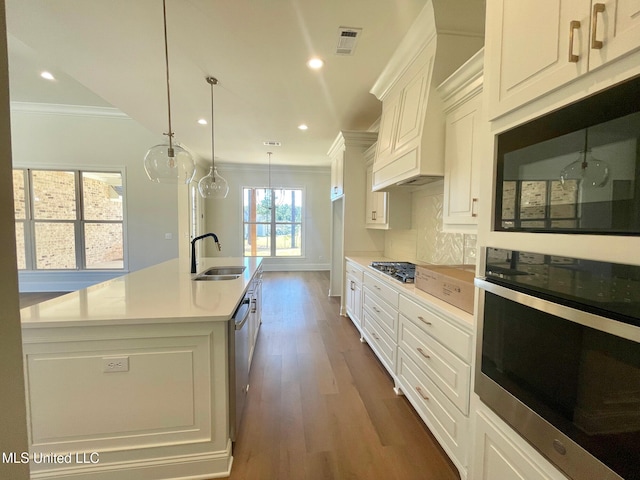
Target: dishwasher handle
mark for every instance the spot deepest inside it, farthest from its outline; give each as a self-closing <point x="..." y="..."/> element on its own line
<point x="240" y="323"/>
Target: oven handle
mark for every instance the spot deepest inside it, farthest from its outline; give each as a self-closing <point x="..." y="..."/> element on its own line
<point x="587" y="319"/>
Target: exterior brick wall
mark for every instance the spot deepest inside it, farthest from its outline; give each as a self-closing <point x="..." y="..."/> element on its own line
<point x="55" y="200"/>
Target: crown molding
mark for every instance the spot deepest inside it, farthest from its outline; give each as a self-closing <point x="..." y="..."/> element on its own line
<point x="72" y="110"/>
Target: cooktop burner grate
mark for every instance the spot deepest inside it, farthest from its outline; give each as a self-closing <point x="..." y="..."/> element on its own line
<point x="402" y="271"/>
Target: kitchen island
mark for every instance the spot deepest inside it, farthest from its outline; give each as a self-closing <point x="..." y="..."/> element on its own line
<point x="130" y="378"/>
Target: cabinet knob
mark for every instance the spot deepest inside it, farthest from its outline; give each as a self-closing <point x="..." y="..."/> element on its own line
<point x="597" y="8"/>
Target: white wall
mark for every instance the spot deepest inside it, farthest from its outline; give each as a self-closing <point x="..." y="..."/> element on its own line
<point x="81" y="141"/>
<point x="13" y="419"/>
<point x="224" y="217"/>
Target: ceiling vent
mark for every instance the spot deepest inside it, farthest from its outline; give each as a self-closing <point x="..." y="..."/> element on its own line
<point x="271" y="143"/>
<point x="347" y="40"/>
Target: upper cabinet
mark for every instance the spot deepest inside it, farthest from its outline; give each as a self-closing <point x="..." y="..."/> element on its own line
<point x="535" y="46"/>
<point x="411" y="138"/>
<point x="466" y="134"/>
<point x="385" y="210"/>
<point x="337" y="173"/>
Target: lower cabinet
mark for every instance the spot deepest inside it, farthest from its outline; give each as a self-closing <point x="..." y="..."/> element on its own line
<point x="500" y="453"/>
<point x="428" y="354"/>
<point x="353" y="293"/>
<point x="255" y="316"/>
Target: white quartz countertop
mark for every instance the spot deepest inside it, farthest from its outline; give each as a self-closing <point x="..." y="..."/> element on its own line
<point x="465" y="319"/>
<point x="164" y="293"/>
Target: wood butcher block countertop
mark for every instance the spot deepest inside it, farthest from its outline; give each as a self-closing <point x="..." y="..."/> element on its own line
<point x="164" y="293"/>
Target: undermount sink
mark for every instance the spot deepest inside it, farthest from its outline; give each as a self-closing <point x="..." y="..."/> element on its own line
<point x="220" y="273"/>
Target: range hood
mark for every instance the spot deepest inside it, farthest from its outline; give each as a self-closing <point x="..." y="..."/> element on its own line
<point x="410" y="150"/>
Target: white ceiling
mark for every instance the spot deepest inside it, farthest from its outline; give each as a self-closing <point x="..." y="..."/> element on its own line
<point x="111" y="53"/>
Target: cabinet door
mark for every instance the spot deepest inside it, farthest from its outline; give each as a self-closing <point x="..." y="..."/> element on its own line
<point x="528" y="47"/>
<point x="463" y="150"/>
<point x="376" y="204"/>
<point x="616" y="23"/>
<point x="386" y="133"/>
<point x="501" y="454"/>
<point x="337" y="176"/>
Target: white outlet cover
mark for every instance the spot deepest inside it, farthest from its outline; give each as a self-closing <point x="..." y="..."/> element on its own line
<point x="115" y="364"/>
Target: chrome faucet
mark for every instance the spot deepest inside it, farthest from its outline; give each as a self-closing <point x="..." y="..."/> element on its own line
<point x="193" y="248"/>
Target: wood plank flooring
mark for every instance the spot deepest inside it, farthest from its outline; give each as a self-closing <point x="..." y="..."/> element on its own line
<point x="320" y="405"/>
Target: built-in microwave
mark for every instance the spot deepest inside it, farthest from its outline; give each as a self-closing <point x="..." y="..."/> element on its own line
<point x="558" y="358"/>
<point x="574" y="170"/>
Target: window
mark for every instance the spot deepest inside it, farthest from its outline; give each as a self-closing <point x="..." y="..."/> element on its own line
<point x="68" y="219"/>
<point x="272" y="221"/>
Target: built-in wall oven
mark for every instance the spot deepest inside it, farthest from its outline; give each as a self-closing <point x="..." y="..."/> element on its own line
<point x="558" y="358"/>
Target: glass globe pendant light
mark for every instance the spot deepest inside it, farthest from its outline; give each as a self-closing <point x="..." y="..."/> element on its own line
<point x="586" y="171"/>
<point x="213" y="185"/>
<point x="169" y="163"/>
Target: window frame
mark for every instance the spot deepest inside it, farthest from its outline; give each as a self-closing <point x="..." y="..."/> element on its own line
<point x="273" y="223"/>
<point x="79" y="222"/>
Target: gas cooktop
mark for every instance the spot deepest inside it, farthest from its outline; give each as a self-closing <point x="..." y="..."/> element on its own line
<point x="404" y="272"/>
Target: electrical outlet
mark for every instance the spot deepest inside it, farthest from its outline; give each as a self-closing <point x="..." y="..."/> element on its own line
<point x="115" y="364"/>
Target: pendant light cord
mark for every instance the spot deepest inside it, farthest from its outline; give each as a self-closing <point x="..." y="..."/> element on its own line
<point x="212" y="81"/>
<point x="166" y="60"/>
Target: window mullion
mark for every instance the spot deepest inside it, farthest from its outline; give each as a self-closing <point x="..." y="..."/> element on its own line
<point x="78" y="224"/>
<point x="273" y="222"/>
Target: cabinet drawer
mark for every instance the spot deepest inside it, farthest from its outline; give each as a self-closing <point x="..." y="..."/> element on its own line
<point x="383" y="346"/>
<point x="382" y="290"/>
<point x="354" y="271"/>
<point x="446" y="422"/>
<point x="385" y="315"/>
<point x="447" y="371"/>
<point x="436" y="325"/>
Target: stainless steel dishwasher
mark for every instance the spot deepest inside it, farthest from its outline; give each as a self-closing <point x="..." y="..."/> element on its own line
<point x="238" y="363"/>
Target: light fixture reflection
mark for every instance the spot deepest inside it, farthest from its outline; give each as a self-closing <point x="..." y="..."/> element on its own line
<point x="586" y="171"/>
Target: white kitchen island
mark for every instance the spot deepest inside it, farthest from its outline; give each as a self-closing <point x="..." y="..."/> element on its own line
<point x="129" y="379"/>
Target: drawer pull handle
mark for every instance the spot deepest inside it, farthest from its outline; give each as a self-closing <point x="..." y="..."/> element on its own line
<point x="375" y="336"/>
<point x="375" y="309"/>
<point x="597" y="8"/>
<point x="376" y="287"/>
<point x="422" y="352"/>
<point x="419" y="390"/>
<point x="573" y="26"/>
<point x="425" y="321"/>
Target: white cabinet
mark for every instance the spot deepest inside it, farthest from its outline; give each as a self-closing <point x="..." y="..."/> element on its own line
<point x="380" y="320"/>
<point x="337" y="174"/>
<point x="353" y="293"/>
<point x="255" y="315"/>
<point x="386" y="210"/>
<point x="466" y="134"/>
<point x="411" y="136"/>
<point x="434" y="372"/>
<point x="534" y="46"/>
<point x="349" y="235"/>
<point x="500" y="453"/>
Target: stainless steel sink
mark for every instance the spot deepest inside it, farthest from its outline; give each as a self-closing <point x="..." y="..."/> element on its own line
<point x="220" y="273"/>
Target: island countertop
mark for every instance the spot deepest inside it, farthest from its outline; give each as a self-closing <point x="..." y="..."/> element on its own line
<point x="164" y="293"/>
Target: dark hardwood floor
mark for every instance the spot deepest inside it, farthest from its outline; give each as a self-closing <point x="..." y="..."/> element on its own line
<point x="320" y="405"/>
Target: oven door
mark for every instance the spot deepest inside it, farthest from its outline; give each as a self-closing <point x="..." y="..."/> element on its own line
<point x="568" y="381"/>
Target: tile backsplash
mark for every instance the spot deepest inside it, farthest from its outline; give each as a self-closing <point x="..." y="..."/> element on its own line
<point x="426" y="242"/>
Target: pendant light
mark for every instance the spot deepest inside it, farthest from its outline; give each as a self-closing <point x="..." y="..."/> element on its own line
<point x="213" y="185"/>
<point x="169" y="163"/>
<point x="586" y="171"/>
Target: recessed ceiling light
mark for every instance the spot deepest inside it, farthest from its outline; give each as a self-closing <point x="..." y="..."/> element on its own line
<point x="47" y="76"/>
<point x="202" y="121"/>
<point x="315" y="63"/>
<point x="303" y="127"/>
